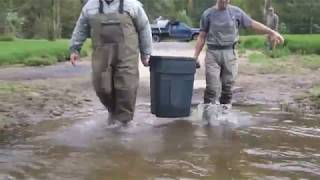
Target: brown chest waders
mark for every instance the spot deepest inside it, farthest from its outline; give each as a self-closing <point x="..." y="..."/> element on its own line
<point x="115" y="72"/>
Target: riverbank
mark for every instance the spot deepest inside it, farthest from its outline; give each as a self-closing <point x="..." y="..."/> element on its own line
<point x="33" y="94"/>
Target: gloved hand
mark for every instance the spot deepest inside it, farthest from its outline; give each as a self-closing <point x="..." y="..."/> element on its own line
<point x="198" y="66"/>
<point x="74" y="57"/>
<point x="276" y="39"/>
<point x="145" y="59"/>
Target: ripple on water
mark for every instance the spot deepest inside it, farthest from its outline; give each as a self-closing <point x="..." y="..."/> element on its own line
<point x="185" y="166"/>
<point x="271" y="145"/>
<point x="290" y="167"/>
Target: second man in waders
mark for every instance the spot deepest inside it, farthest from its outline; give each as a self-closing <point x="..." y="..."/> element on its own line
<point x="120" y="30"/>
<point x="272" y="21"/>
<point x="220" y="26"/>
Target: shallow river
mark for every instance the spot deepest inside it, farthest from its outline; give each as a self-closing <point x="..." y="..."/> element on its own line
<point x="266" y="144"/>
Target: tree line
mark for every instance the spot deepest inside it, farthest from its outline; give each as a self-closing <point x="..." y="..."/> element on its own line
<point x="54" y="19"/>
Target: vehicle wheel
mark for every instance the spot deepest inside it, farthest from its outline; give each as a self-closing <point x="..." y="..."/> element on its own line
<point x="156" y="38"/>
<point x="195" y="36"/>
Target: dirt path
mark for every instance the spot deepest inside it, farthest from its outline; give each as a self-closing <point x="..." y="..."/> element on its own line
<point x="32" y="94"/>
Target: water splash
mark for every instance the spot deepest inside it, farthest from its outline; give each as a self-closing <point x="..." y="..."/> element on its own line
<point x="216" y="115"/>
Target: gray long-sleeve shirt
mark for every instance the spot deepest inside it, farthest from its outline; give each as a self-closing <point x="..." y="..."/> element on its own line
<point x="133" y="7"/>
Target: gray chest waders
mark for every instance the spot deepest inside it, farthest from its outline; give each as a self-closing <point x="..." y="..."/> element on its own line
<point x="221" y="63"/>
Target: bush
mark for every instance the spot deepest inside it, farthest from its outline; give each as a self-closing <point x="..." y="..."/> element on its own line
<point x="35" y="52"/>
<point x="279" y="52"/>
<point x="7" y="38"/>
<point x="183" y="17"/>
<point x="40" y="61"/>
<point x="259" y="58"/>
<point x="252" y="42"/>
<point x="283" y="28"/>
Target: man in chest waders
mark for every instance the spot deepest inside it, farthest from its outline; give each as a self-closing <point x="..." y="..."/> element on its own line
<point x="220" y="30"/>
<point x="119" y="29"/>
<point x="272" y="21"/>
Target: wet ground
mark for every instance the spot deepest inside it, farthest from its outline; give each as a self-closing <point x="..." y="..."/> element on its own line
<point x="266" y="143"/>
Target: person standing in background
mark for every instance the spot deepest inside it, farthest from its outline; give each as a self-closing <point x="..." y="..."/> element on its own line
<point x="272" y="21"/>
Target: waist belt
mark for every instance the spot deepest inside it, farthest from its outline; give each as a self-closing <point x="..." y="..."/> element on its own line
<point x="217" y="47"/>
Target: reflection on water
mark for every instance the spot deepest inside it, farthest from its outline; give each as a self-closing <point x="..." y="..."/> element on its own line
<point x="265" y="144"/>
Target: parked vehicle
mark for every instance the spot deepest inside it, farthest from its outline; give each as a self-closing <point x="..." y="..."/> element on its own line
<point x="165" y="29"/>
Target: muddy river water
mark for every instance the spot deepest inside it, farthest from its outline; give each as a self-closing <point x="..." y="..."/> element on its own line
<point x="266" y="144"/>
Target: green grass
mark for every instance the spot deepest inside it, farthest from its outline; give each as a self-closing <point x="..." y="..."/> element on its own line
<point x="14" y="87"/>
<point x="265" y="64"/>
<point x="33" y="52"/>
<point x="252" y="42"/>
<point x="302" y="44"/>
<point x="8" y="88"/>
<point x="242" y="51"/>
<point x="284" y="64"/>
<point x="310" y="61"/>
<point x="7" y="38"/>
<point x="278" y="53"/>
<point x="315" y="92"/>
<point x="259" y="58"/>
<point x="299" y="52"/>
<point x="315" y="96"/>
<point x="40" y="61"/>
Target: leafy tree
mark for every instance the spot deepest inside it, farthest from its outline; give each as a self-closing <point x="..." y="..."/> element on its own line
<point x="56" y="18"/>
<point x="299" y="16"/>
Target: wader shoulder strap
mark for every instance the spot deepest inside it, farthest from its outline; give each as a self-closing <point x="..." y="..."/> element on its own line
<point x="121" y="6"/>
<point x="101" y="6"/>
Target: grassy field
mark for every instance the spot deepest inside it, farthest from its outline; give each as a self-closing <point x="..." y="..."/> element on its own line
<point x="302" y="44"/>
<point x="43" y="52"/>
<point x="12" y="87"/>
<point x="315" y="92"/>
<point x="315" y="96"/>
<point x="293" y="63"/>
<point x="299" y="53"/>
<point x="35" y="52"/>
